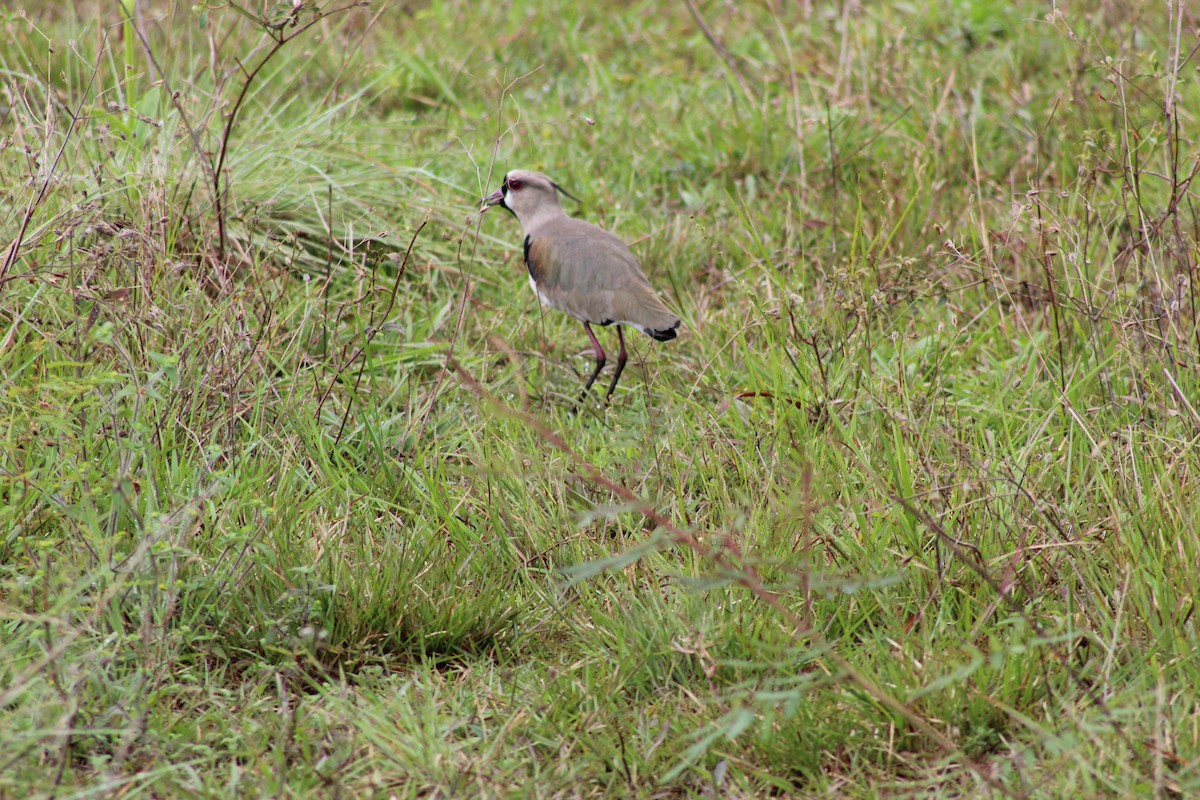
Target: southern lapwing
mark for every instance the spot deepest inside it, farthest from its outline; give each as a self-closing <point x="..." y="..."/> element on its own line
<point x="581" y="269"/>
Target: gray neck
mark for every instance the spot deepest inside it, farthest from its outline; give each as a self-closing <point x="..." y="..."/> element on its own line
<point x="541" y="217"/>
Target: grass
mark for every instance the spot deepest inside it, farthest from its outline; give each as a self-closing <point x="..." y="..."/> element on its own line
<point x="293" y="500"/>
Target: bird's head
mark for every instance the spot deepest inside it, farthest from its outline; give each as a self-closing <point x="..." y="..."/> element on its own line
<point x="526" y="194"/>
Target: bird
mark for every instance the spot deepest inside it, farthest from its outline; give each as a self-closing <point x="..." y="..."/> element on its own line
<point x="581" y="269"/>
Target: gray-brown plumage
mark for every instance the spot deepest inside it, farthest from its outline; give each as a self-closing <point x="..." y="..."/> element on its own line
<point x="582" y="270"/>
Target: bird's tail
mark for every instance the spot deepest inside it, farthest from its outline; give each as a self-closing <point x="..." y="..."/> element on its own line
<point x="663" y="334"/>
<point x="643" y="309"/>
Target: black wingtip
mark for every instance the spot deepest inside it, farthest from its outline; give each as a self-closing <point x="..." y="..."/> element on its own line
<point x="664" y="334"/>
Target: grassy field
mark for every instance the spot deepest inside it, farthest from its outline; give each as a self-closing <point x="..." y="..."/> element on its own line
<point x="293" y="501"/>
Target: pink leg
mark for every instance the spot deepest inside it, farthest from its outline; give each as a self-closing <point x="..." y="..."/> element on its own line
<point x="621" y="358"/>
<point x="600" y="359"/>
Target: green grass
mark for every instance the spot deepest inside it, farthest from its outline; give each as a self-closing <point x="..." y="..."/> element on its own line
<point x="910" y="508"/>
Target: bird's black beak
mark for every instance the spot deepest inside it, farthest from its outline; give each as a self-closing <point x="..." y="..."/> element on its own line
<point x="495" y="198"/>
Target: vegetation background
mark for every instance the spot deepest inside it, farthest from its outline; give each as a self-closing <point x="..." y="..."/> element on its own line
<point x="293" y="503"/>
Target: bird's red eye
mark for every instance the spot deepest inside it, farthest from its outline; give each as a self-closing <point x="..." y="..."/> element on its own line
<point x="514" y="185"/>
